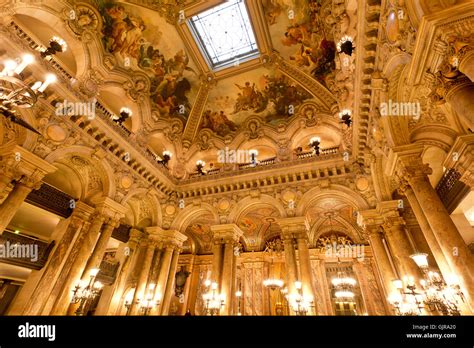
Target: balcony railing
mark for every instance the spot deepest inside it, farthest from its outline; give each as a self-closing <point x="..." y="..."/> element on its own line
<point x="323" y="152"/>
<point x="450" y="190"/>
<point x="108" y="272"/>
<point x="300" y="157"/>
<point x="51" y="199"/>
<point x="122" y="233"/>
<point x="24" y="251"/>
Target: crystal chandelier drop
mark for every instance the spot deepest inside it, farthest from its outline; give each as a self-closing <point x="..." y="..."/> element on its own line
<point x="437" y="294"/>
<point x="212" y="300"/>
<point x="344" y="286"/>
<point x="300" y="303"/>
<point x="273" y="283"/>
<point x="16" y="92"/>
<point x="85" y="292"/>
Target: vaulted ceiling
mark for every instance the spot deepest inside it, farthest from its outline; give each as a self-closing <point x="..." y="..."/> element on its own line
<point x="181" y="103"/>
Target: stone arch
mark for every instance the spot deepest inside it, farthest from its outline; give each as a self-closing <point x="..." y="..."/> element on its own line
<point x="250" y="203"/>
<point x="155" y="216"/>
<point x="184" y="218"/>
<point x="104" y="168"/>
<point x="53" y="19"/>
<point x="184" y="223"/>
<point x="345" y="227"/>
<point x="343" y="193"/>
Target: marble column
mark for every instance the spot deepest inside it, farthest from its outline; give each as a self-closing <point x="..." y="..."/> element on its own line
<point x="466" y="63"/>
<point x="128" y="264"/>
<point x="164" y="274"/>
<point x="226" y="235"/>
<point x="367" y="297"/>
<point x="428" y="234"/>
<point x="454" y="248"/>
<point x="305" y="267"/>
<point x="189" y="265"/>
<point x="141" y="290"/>
<point x="41" y="290"/>
<point x="98" y="253"/>
<point x="169" y="292"/>
<point x="23" y="166"/>
<point x="217" y="258"/>
<point x="14" y="200"/>
<point x="227" y="279"/>
<point x="371" y="221"/>
<point x="290" y="262"/>
<point x="461" y="98"/>
<point x="82" y="250"/>
<point x="394" y="227"/>
<point x="297" y="228"/>
<point x="406" y="160"/>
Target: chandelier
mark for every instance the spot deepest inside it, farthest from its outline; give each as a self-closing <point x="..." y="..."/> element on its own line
<point x="146" y="304"/>
<point x="213" y="302"/>
<point x="300" y="303"/>
<point x="343" y="285"/>
<point x="84" y="293"/>
<point x="15" y="92"/>
<point x="436" y="294"/>
<point x="273" y="283"/>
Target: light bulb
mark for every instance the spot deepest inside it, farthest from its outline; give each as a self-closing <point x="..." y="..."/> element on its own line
<point x="50" y="78"/>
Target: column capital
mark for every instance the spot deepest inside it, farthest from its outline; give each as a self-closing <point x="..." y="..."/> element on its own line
<point x="370" y="221"/>
<point x="135" y="235"/>
<point x="167" y="237"/>
<point x="226" y="233"/>
<point x="26" y="162"/>
<point x="405" y="163"/>
<point x="294" y="227"/>
<point x="110" y="208"/>
<point x="82" y="211"/>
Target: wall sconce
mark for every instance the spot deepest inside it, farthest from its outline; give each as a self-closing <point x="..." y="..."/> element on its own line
<point x="84" y="293"/>
<point x="238" y="294"/>
<point x="213" y="301"/>
<point x="345" y="116"/>
<point x="346" y="45"/>
<point x="314" y="142"/>
<point x="125" y="113"/>
<point x="166" y="158"/>
<point x="129" y="300"/>
<point x="200" y="167"/>
<point x="56" y="45"/>
<point x="253" y="157"/>
<point x="180" y="281"/>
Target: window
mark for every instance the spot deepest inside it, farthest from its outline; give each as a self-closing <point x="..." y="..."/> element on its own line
<point x="225" y="34"/>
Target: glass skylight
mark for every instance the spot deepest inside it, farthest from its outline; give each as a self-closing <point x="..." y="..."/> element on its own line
<point x="225" y="34"/>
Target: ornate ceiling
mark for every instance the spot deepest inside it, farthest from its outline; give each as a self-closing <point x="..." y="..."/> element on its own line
<point x="180" y="104"/>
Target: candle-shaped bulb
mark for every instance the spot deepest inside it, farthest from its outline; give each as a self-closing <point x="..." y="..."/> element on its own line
<point x="26" y="60"/>
<point x="50" y="78"/>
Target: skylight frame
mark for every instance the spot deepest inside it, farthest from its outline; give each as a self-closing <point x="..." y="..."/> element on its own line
<point x="215" y="59"/>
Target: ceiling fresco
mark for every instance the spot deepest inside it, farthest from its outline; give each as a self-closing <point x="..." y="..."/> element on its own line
<point x="200" y="230"/>
<point x="264" y="92"/>
<point x="330" y="207"/>
<point x="301" y="35"/>
<point x="257" y="224"/>
<point x="135" y="36"/>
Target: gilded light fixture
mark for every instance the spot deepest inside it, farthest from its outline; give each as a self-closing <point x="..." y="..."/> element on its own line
<point x="85" y="292"/>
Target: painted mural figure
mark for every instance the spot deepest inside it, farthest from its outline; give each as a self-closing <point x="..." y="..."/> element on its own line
<point x="124" y="36"/>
